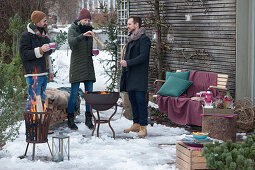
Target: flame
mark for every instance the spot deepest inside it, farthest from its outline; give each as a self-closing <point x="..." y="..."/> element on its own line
<point x="33" y="100"/>
<point x="104" y="92"/>
<point x="100" y="92"/>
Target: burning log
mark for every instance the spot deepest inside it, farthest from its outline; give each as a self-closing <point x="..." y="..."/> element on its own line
<point x="39" y="106"/>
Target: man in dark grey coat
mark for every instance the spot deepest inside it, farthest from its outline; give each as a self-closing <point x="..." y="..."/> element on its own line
<point x="80" y="39"/>
<point x="35" y="55"/>
<point x="134" y="78"/>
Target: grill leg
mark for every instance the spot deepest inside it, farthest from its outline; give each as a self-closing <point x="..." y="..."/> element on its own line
<point x="95" y="121"/>
<point x="33" y="156"/>
<point x="49" y="149"/>
<point x="26" y="149"/>
<point x="109" y="121"/>
<point x="98" y="116"/>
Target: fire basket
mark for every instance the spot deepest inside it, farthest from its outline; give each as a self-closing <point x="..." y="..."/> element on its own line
<point x="101" y="101"/>
<point x="37" y="125"/>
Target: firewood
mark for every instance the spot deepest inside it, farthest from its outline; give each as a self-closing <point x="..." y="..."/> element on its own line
<point x="39" y="107"/>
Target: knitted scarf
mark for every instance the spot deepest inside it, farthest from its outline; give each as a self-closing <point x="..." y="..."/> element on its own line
<point x="42" y="34"/>
<point x="136" y="35"/>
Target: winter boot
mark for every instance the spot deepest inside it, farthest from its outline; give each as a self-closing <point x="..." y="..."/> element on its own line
<point x="134" y="128"/>
<point x="142" y="132"/>
<point x="88" y="121"/>
<point x="71" y="123"/>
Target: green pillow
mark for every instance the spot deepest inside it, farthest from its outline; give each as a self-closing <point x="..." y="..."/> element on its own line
<point x="182" y="75"/>
<point x="174" y="87"/>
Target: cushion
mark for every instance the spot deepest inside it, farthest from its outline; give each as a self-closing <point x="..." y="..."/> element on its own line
<point x="182" y="75"/>
<point x="174" y="87"/>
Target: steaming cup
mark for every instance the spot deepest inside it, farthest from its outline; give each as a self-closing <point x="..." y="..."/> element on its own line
<point x="53" y="45"/>
<point x="95" y="51"/>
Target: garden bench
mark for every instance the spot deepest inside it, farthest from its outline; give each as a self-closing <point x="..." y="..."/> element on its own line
<point x="183" y="110"/>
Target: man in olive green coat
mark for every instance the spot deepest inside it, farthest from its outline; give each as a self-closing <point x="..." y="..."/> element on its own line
<point x="80" y="39"/>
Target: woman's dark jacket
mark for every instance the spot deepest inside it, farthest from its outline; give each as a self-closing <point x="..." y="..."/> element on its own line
<point x="81" y="65"/>
<point x="135" y="76"/>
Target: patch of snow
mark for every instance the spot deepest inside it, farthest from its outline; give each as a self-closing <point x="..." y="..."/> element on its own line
<point x="128" y="152"/>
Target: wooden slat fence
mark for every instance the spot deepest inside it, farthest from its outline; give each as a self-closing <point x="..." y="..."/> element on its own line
<point x="206" y="43"/>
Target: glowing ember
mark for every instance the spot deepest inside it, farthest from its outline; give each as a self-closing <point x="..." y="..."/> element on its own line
<point x="100" y="92"/>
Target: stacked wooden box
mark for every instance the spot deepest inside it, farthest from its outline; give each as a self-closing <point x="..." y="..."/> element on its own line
<point x="188" y="158"/>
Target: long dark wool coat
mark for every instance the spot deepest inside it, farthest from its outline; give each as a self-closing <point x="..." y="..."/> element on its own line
<point x="135" y="76"/>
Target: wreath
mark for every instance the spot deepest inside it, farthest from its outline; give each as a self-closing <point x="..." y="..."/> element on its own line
<point x="245" y="114"/>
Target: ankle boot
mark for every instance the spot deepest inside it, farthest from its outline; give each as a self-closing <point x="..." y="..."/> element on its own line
<point x="134" y="128"/>
<point x="88" y="121"/>
<point x="71" y="123"/>
<point x="142" y="132"/>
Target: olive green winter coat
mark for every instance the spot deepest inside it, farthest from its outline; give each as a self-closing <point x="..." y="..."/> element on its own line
<point x="81" y="65"/>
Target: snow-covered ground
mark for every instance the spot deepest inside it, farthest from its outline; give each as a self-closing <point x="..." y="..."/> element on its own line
<point x="127" y="151"/>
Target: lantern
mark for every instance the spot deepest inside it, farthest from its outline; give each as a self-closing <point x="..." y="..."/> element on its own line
<point x="60" y="147"/>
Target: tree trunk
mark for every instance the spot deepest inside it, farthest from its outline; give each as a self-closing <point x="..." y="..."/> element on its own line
<point x="223" y="128"/>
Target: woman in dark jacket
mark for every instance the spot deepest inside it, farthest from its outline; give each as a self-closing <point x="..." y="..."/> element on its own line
<point x="80" y="39"/>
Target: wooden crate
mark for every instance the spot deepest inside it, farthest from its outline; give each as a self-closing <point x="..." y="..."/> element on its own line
<point x="188" y="158"/>
<point x="221" y="112"/>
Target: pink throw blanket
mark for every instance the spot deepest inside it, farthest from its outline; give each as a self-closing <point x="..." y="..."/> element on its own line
<point x="182" y="110"/>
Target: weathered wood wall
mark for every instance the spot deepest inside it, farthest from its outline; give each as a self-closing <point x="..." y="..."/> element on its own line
<point x="206" y="43"/>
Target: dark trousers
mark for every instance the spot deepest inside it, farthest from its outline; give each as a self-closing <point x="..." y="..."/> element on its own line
<point x="139" y="107"/>
<point x="74" y="93"/>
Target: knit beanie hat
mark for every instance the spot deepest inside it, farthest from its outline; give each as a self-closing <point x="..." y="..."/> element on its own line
<point x="84" y="14"/>
<point x="37" y="16"/>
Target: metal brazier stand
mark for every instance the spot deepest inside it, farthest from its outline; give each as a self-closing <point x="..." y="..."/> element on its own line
<point x="101" y="101"/>
<point x="37" y="125"/>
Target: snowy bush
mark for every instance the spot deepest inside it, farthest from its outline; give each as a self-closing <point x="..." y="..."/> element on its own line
<point x="232" y="156"/>
<point x="12" y="92"/>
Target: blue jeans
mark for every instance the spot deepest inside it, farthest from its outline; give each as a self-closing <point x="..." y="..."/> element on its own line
<point x="74" y="94"/>
<point x="139" y="107"/>
<point x="36" y="85"/>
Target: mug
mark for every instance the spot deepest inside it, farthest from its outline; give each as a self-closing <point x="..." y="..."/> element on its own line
<point x="198" y="94"/>
<point x="95" y="51"/>
<point x="53" y="45"/>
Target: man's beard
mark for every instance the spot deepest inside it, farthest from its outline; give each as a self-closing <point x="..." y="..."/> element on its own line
<point x="85" y="28"/>
<point x="132" y="31"/>
<point x="41" y="29"/>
